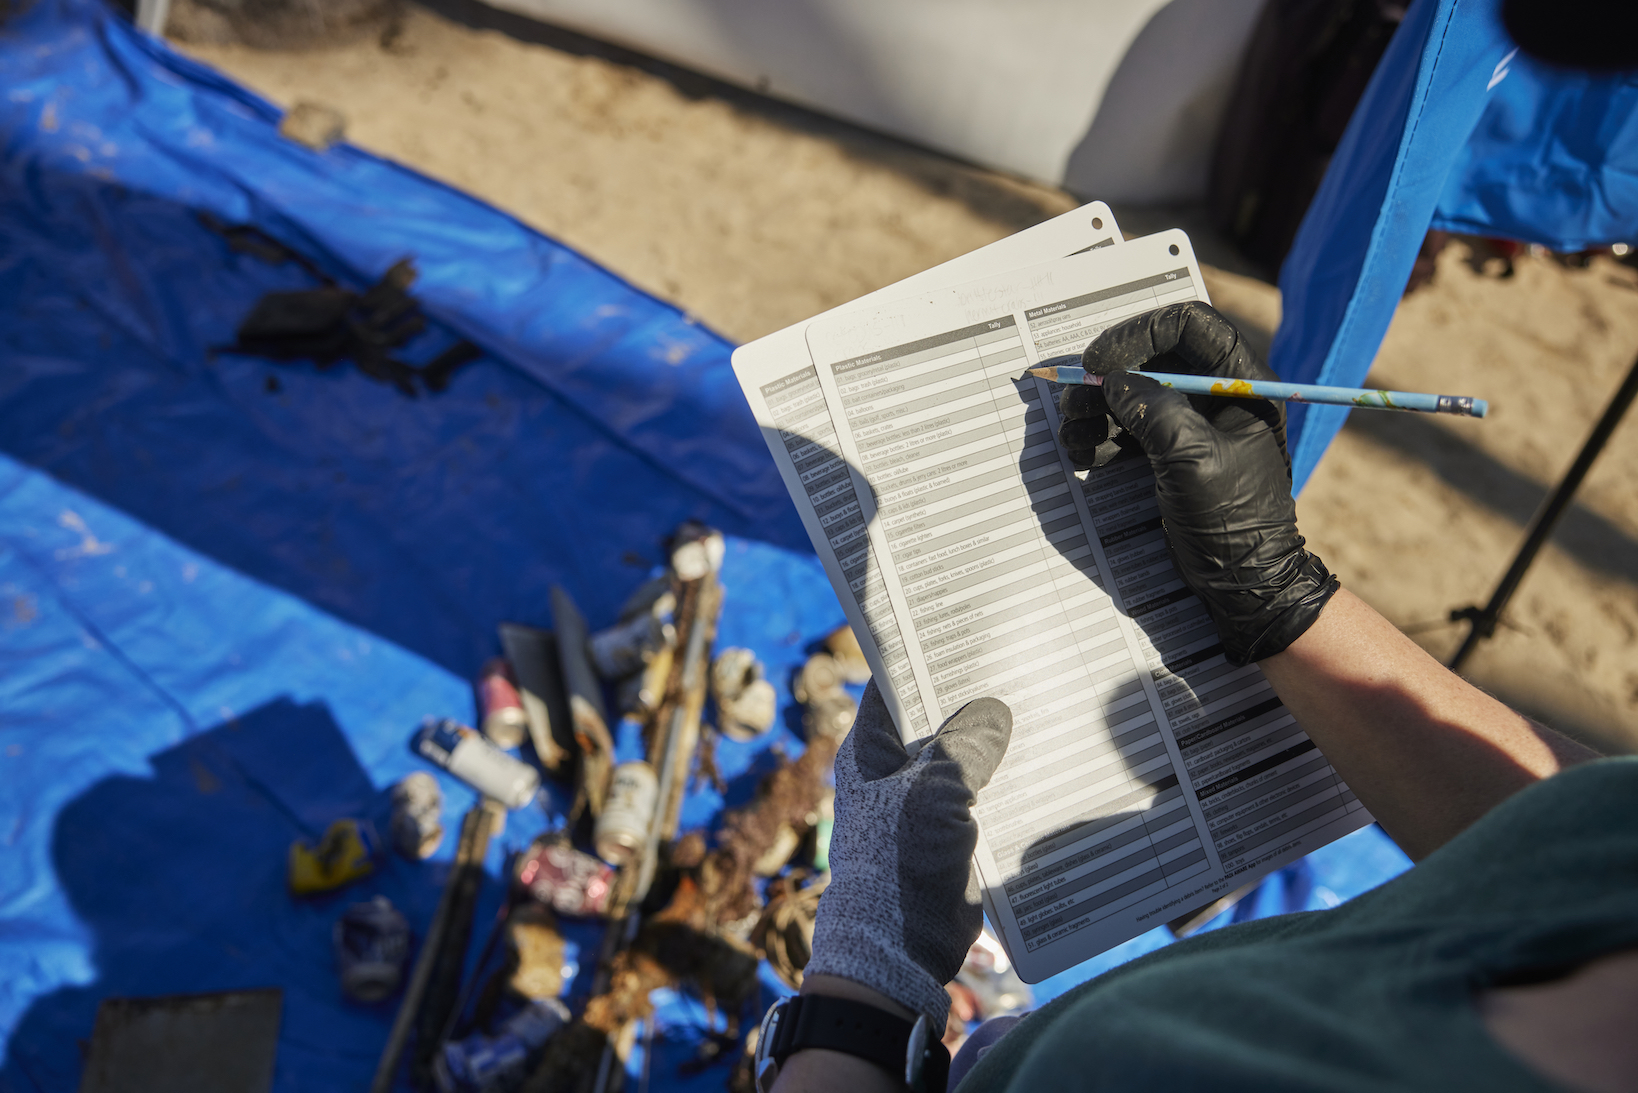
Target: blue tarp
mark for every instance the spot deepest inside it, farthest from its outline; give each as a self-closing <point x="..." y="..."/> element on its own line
<point x="1456" y="130"/>
<point x="230" y="590"/>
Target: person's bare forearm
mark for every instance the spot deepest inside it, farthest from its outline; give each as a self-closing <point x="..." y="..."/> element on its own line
<point x="1426" y="751"/>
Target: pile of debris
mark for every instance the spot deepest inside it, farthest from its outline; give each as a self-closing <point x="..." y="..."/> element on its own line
<point x="691" y="910"/>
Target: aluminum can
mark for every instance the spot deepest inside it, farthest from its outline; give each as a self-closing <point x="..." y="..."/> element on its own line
<point x="569" y="882"/>
<point x="477" y="762"/>
<point x="622" y="828"/>
<point x="504" y="719"/>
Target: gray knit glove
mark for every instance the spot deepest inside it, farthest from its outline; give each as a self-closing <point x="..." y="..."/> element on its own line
<point x="903" y="906"/>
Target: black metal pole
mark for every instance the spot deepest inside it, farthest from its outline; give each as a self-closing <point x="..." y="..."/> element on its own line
<point x="1542" y="524"/>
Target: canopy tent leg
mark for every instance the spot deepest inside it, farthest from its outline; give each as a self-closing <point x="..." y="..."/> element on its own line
<point x="1542" y="524"/>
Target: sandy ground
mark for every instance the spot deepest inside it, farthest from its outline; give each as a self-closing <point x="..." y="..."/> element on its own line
<point x="752" y="215"/>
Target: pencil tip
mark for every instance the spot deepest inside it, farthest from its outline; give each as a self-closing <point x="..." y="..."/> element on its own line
<point x="1044" y="373"/>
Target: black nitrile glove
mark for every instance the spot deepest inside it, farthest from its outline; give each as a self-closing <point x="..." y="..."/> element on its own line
<point x="1089" y="432"/>
<point x="903" y="905"/>
<point x="1222" y="474"/>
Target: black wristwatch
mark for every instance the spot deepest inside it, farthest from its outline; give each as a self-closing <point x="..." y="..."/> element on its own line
<point x="907" y="1050"/>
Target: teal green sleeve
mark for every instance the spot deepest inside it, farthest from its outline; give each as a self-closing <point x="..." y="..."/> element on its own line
<point x="1374" y="995"/>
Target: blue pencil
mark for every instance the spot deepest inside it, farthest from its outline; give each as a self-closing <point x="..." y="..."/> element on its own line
<point x="1070" y="371"/>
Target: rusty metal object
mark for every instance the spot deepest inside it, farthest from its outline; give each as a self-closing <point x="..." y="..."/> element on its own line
<point x="686" y="701"/>
<point x="676" y="728"/>
<point x="586" y="711"/>
<point x="534" y="659"/>
<point x="791" y="796"/>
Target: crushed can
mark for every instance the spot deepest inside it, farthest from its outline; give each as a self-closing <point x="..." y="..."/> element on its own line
<point x="417" y="826"/>
<point x="819" y="679"/>
<point x="696" y="551"/>
<point x="372" y="942"/>
<point x="504" y="719"/>
<point x="572" y="883"/>
<point x="746" y="702"/>
<point x="474" y="760"/>
<point x="486" y="1064"/>
<point x="622" y="826"/>
<point x="347" y="851"/>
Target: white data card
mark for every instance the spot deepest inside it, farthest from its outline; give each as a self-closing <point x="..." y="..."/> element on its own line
<point x="817" y="478"/>
<point x="1146" y="776"/>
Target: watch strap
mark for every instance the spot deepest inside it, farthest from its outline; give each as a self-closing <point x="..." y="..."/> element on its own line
<point x="860" y="1030"/>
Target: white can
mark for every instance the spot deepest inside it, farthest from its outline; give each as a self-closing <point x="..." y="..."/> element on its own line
<point x="622" y="828"/>
<point x="474" y="760"/>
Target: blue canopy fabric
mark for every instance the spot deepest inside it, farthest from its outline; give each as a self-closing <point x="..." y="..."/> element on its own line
<point x="1457" y="130"/>
<point x="230" y="590"/>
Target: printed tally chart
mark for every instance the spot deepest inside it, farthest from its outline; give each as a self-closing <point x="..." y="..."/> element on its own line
<point x="1146" y="775"/>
